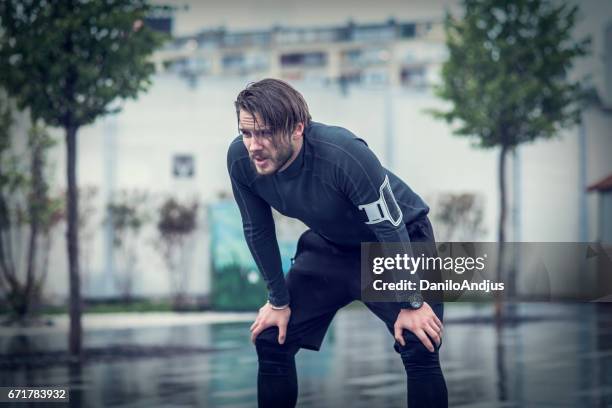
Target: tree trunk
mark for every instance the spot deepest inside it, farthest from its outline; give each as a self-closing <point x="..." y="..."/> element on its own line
<point x="502" y="230"/>
<point x="37" y="198"/>
<point x="7" y="264"/>
<point x="31" y="265"/>
<point x="72" y="235"/>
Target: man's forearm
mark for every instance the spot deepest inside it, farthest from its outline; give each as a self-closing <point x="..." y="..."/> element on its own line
<point x="400" y="237"/>
<point x="278" y="294"/>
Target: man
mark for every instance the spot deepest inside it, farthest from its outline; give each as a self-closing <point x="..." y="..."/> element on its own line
<point x="330" y="180"/>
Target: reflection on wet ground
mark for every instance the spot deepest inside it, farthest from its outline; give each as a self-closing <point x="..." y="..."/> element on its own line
<point x="551" y="356"/>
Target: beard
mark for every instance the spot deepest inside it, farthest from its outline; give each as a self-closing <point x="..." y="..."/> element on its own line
<point x="276" y="160"/>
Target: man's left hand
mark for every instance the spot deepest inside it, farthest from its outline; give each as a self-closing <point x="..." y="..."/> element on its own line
<point x="422" y="322"/>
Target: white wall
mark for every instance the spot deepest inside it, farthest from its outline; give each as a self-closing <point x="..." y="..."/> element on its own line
<point x="173" y="118"/>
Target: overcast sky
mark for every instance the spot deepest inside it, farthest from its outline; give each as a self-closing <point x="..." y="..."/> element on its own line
<point x="249" y="14"/>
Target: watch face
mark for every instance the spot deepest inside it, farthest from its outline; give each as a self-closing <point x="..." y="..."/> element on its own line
<point x="416" y="301"/>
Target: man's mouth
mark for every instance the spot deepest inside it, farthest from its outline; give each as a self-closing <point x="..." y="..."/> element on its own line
<point x="260" y="161"/>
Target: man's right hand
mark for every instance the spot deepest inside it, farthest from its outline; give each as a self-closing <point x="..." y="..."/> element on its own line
<point x="269" y="317"/>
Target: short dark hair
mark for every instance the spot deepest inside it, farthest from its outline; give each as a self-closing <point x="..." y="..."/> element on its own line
<point x="277" y="103"/>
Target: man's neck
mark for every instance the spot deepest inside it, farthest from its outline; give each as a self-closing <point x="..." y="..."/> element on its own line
<point x="296" y="152"/>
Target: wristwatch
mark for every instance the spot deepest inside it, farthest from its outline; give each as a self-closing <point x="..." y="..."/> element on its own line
<point x="415" y="301"/>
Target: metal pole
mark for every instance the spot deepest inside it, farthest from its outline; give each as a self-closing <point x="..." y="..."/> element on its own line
<point x="517" y="192"/>
<point x="582" y="183"/>
<point x="515" y="271"/>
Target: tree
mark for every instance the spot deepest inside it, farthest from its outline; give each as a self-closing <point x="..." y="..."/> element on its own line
<point x="127" y="217"/>
<point x="460" y="216"/>
<point x="68" y="62"/>
<point x="507" y="76"/>
<point x="28" y="216"/>
<point x="176" y="225"/>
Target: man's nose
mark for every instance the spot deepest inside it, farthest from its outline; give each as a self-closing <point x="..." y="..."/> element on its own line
<point x="255" y="144"/>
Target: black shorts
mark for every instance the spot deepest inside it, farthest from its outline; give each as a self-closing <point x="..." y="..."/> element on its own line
<point x="325" y="277"/>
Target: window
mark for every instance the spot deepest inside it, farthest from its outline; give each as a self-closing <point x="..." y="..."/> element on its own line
<point x="407" y="30"/>
<point x="233" y="61"/>
<point x="308" y="59"/>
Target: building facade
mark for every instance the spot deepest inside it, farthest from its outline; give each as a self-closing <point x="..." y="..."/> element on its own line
<point x="395" y="53"/>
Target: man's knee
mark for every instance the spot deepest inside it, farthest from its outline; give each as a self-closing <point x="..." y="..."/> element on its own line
<point x="418" y="360"/>
<point x="274" y="358"/>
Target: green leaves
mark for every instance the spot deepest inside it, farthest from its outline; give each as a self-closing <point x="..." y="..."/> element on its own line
<point x="127" y="214"/>
<point x="68" y="61"/>
<point x="507" y="72"/>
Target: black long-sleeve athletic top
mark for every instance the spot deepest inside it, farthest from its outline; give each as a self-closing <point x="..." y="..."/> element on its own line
<point x="336" y="186"/>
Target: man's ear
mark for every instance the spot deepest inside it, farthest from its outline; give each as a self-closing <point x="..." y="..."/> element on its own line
<point x="299" y="130"/>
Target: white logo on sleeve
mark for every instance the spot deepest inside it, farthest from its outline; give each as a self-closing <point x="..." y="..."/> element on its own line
<point x="385" y="208"/>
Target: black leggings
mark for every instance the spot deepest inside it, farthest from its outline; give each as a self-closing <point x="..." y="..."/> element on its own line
<point x="277" y="385"/>
<point x="277" y="378"/>
<point x="323" y="279"/>
<point x="426" y="385"/>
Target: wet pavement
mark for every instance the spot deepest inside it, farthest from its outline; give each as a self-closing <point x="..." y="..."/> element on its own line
<point x="548" y="355"/>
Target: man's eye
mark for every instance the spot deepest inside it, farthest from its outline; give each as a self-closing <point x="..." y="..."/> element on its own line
<point x="264" y="134"/>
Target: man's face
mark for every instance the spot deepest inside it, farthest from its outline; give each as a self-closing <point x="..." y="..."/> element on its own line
<point x="268" y="152"/>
